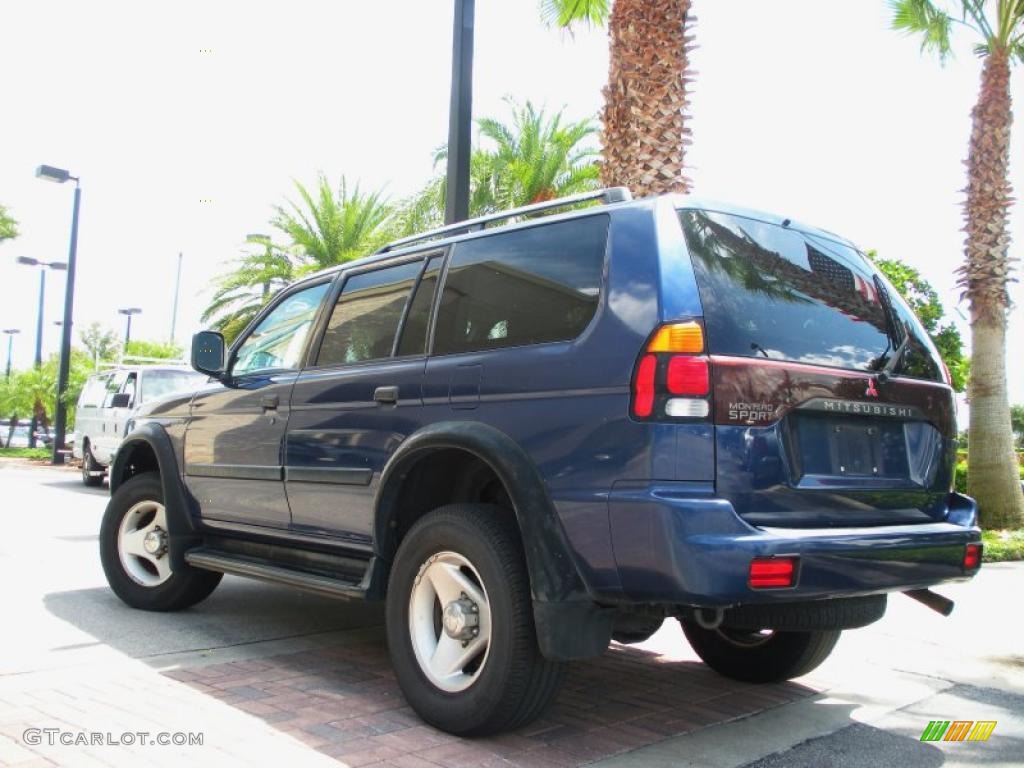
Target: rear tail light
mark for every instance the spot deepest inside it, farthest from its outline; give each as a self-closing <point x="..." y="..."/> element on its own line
<point x="687" y="375"/>
<point x="643" y="389"/>
<point x="772" y="572"/>
<point x="672" y="380"/>
<point x="972" y="557"/>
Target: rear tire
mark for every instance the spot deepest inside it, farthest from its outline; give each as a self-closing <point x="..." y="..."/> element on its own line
<point x="461" y="568"/>
<point x="135" y="523"/>
<point x="89" y="464"/>
<point x="760" y="658"/>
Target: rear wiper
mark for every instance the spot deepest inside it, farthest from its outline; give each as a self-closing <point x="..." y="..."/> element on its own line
<point x="897" y="341"/>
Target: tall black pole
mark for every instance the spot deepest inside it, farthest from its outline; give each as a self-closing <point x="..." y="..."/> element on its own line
<point x="128" y="332"/>
<point x="10" y="349"/>
<point x="460" y="114"/>
<point x="39" y="350"/>
<point x="60" y="419"/>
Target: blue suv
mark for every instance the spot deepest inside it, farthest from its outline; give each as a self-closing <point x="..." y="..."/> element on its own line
<point x="538" y="431"/>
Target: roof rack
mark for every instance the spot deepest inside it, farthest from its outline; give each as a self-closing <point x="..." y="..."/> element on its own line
<point x="607" y="196"/>
<point x="132" y="360"/>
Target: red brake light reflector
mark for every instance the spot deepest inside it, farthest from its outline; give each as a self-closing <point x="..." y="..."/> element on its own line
<point x="643" y="390"/>
<point x="688" y="376"/>
<point x="972" y="557"/>
<point x="772" y="572"/>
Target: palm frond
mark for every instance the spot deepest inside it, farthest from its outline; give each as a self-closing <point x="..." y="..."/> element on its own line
<point x="925" y="19"/>
<point x="565" y="13"/>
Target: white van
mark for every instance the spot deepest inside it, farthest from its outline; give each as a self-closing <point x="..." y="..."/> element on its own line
<point x="109" y="399"/>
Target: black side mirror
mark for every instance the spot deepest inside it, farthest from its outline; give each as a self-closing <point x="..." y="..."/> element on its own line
<point x="120" y="400"/>
<point x="208" y="353"/>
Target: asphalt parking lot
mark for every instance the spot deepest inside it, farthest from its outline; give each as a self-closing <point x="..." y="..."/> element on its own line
<point x="270" y="676"/>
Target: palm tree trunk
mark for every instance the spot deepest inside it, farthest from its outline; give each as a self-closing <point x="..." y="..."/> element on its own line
<point x="645" y="131"/>
<point x="993" y="476"/>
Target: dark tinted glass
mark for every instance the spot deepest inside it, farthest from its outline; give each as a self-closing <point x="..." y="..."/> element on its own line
<point x="414" y="334"/>
<point x="773" y="292"/>
<point x="365" y="319"/>
<point x="526" y="287"/>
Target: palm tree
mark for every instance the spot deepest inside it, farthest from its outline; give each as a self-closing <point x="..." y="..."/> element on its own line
<point x="334" y="228"/>
<point x="993" y="478"/>
<point x="536" y="158"/>
<point x="533" y="158"/>
<point x="645" y="131"/>
<point x="247" y="287"/>
<point x="8" y="226"/>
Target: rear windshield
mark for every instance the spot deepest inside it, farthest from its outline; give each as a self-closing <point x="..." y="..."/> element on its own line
<point x="770" y="291"/>
<point x="159" y="383"/>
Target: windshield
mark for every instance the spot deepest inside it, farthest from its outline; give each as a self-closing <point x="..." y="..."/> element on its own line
<point x="156" y="384"/>
<point x="774" y="292"/>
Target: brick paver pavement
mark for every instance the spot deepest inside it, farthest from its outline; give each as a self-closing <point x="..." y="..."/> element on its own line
<point x="332" y="700"/>
<point x="344" y="703"/>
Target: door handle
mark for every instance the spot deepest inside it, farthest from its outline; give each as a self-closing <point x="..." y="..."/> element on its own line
<point x="270" y="402"/>
<point x="386" y="395"/>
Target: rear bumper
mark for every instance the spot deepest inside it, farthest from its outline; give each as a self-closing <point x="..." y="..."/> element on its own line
<point x="677" y="543"/>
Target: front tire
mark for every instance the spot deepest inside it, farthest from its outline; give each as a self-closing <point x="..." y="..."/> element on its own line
<point x="90" y="465"/>
<point x="760" y="657"/>
<point x="460" y="623"/>
<point x="134" y="550"/>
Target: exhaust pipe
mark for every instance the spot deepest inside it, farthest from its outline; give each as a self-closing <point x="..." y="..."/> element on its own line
<point x="933" y="600"/>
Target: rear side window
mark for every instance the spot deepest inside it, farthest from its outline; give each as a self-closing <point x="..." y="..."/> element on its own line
<point x="94" y="391"/>
<point x="365" y="319"/>
<point x="770" y="291"/>
<point x="525" y="287"/>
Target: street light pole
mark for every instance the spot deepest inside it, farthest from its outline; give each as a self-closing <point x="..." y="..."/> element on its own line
<point x="177" y="286"/>
<point x="60" y="176"/>
<point x="460" y="114"/>
<point x="129" y="311"/>
<point x="10" y="347"/>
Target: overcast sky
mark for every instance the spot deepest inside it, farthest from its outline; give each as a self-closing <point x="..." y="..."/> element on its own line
<point x="809" y="108"/>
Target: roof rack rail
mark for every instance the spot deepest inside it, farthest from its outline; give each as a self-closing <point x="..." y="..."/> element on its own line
<point x="128" y="361"/>
<point x="607" y="196"/>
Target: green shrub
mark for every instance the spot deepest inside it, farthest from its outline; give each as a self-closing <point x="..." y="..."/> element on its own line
<point x="960" y="476"/>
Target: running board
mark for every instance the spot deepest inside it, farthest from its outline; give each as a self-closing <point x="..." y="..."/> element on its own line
<point x="239" y="565"/>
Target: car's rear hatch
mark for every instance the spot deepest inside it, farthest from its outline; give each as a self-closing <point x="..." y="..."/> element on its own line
<point x="829" y="400"/>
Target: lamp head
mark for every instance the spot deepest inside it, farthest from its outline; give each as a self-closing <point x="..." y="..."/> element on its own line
<point x="50" y="173"/>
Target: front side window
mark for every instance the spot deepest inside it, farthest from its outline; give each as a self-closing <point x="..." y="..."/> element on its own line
<point x="529" y="286"/>
<point x="279" y="339"/>
<point x="365" y="319"/>
<point x="113" y="384"/>
<point x="128" y="388"/>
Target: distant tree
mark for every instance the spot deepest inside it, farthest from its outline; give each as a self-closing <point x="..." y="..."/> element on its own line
<point x="330" y="228"/>
<point x="164" y="350"/>
<point x="101" y="343"/>
<point x="924" y="300"/>
<point x="14" y="404"/>
<point x="998" y="28"/>
<point x="8" y="226"/>
<point x="1017" y="424"/>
